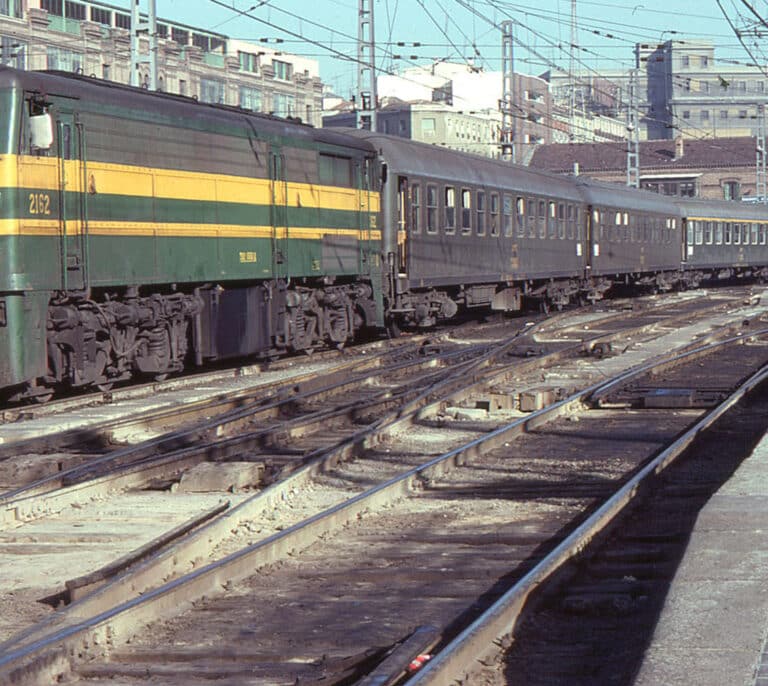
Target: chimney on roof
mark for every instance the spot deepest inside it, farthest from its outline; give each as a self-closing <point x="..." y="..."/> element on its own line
<point x="679" y="148"/>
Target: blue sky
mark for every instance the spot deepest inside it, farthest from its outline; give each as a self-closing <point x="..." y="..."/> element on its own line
<point x="460" y="30"/>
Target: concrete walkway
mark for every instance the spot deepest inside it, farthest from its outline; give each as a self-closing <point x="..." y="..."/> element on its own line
<point x="714" y="625"/>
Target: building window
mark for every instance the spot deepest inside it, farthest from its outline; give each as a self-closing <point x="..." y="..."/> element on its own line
<point x="101" y="16"/>
<point x="52" y="7"/>
<point x="742" y="114"/>
<point x="12" y="52"/>
<point x="212" y="90"/>
<point x="75" y="10"/>
<point x="686" y="61"/>
<point x="182" y="87"/>
<point x="283" y="70"/>
<point x="248" y="62"/>
<point x="428" y="126"/>
<point x="250" y="98"/>
<point x="686" y="114"/>
<point x="122" y="21"/>
<point x="179" y="36"/>
<point x="283" y="104"/>
<point x="11" y="8"/>
<point x="202" y="42"/>
<point x="105" y="72"/>
<point x="704" y="61"/>
<point x="688" y="189"/>
<point x="63" y="59"/>
<point x="723" y="114"/>
<point x="731" y="190"/>
<point x="704" y="115"/>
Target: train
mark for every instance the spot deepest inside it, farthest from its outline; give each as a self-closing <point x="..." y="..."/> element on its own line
<point x="145" y="233"/>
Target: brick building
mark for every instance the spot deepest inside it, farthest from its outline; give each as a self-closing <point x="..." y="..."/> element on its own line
<point x="721" y="168"/>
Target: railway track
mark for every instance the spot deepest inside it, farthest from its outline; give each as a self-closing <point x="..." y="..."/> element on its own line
<point x="331" y="480"/>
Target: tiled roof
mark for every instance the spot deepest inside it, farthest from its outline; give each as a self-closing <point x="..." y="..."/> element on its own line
<point x="606" y="157"/>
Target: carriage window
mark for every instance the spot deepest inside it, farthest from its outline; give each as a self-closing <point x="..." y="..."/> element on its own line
<point x="719" y="233"/>
<point x="570" y="222"/>
<point x="415" y="208"/>
<point x="761" y="233"/>
<point x="737" y="234"/>
<point x="450" y="209"/>
<point x="727" y="233"/>
<point x="561" y="221"/>
<point x="708" y="233"/>
<point x="531" y="218"/>
<point x="507" y="215"/>
<point x="689" y="233"/>
<point x="431" y="208"/>
<point x="480" y="213"/>
<point x="699" y="238"/>
<point x="552" y="220"/>
<point x="494" y="214"/>
<point x="466" y="211"/>
<point x="520" y="216"/>
<point x="754" y="234"/>
<point x="542" y="219"/>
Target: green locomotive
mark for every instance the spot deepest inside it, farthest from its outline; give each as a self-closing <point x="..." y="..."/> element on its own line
<point x="142" y="231"/>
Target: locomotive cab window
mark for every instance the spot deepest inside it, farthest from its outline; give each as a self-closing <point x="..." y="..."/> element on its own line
<point x="335" y="170"/>
<point x="38" y="129"/>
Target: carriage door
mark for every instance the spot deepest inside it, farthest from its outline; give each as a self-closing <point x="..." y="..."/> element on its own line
<point x="688" y="231"/>
<point x="403" y="209"/>
<point x="73" y="214"/>
<point x="279" y="212"/>
<point x="587" y="248"/>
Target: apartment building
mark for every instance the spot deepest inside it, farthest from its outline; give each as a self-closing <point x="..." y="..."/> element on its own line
<point x="94" y="38"/>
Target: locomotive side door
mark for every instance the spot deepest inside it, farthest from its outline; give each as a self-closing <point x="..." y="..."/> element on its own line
<point x="73" y="215"/>
<point x="278" y="212"/>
